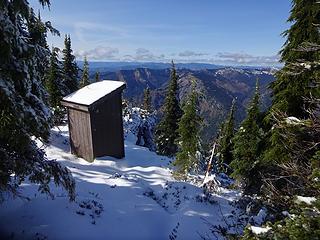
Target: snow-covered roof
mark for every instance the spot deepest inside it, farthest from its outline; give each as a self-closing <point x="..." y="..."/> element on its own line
<point x="93" y="92"/>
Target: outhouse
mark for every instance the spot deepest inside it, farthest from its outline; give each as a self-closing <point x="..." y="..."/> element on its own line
<point x="95" y="120"/>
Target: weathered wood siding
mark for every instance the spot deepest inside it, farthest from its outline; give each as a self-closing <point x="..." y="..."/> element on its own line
<point x="80" y="134"/>
<point x="97" y="129"/>
<point x="107" y="127"/>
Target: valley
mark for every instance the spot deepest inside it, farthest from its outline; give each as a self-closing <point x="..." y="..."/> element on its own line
<point x="217" y="88"/>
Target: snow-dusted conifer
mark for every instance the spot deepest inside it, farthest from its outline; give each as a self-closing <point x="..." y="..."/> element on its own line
<point x="189" y="153"/>
<point x="147" y="99"/>
<point x="23" y="110"/>
<point x="246" y="143"/>
<point x="290" y="90"/>
<point x="225" y="140"/>
<point x="85" y="74"/>
<point x="54" y="79"/>
<point x="97" y="77"/>
<point x="70" y="68"/>
<point x="166" y="130"/>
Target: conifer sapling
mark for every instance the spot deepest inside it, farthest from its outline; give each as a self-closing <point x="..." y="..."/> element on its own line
<point x="166" y="131"/>
<point x="189" y="153"/>
<point x="85" y="74"/>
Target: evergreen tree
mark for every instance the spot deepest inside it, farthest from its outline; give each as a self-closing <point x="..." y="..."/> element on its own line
<point x="166" y="130"/>
<point x="290" y="162"/>
<point x="147" y="99"/>
<point x="54" y="80"/>
<point x="23" y="111"/>
<point x="289" y="91"/>
<point x="37" y="31"/>
<point x="293" y="87"/>
<point x="70" y="67"/>
<point x="246" y="144"/>
<point x="85" y="74"/>
<point x="97" y="77"/>
<point x="38" y="35"/>
<point x="189" y="154"/>
<point x="225" y="141"/>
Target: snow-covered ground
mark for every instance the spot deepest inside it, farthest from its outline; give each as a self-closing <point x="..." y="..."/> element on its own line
<point x="131" y="198"/>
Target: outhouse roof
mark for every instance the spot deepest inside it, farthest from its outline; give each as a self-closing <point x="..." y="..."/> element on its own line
<point x="93" y="92"/>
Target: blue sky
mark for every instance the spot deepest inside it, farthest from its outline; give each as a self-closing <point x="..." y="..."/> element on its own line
<point x="234" y="32"/>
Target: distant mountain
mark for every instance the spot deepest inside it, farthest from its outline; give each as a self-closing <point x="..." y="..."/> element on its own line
<point x="217" y="88"/>
<point x="116" y="66"/>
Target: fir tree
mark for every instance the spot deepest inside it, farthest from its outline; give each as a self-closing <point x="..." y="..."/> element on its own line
<point x="23" y="111"/>
<point x="54" y="80"/>
<point x="38" y="35"/>
<point x="85" y="74"/>
<point x="225" y="141"/>
<point x="188" y="156"/>
<point x="166" y="130"/>
<point x="70" y="67"/>
<point x="289" y="91"/>
<point x="37" y="31"/>
<point x="97" y="77"/>
<point x="246" y="144"/>
<point x="290" y="162"/>
<point x="292" y="87"/>
<point x="147" y="99"/>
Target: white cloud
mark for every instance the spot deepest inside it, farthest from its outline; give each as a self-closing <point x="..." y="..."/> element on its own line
<point x="111" y="53"/>
<point x="246" y="59"/>
<point x="188" y="53"/>
<point x="143" y="54"/>
<point x="146" y="55"/>
<point x="99" y="53"/>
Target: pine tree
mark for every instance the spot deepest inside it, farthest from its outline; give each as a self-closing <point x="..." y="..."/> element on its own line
<point x="166" y="130"/>
<point x="147" y="99"/>
<point x="37" y="31"/>
<point x="85" y="75"/>
<point x="290" y="161"/>
<point x="70" y="67"/>
<point x="97" y="77"/>
<point x="246" y="144"/>
<point x="54" y="79"/>
<point x="289" y="91"/>
<point x="23" y="111"/>
<point x="225" y="141"/>
<point x="188" y="156"/>
<point x="38" y="36"/>
<point x="292" y="87"/>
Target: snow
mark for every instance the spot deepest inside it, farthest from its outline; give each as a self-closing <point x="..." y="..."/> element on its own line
<point x="286" y="213"/>
<point x="132" y="198"/>
<point x="306" y="66"/>
<point x="93" y="92"/>
<point x="212" y="177"/>
<point x="260" y="217"/>
<point x="259" y="230"/>
<point x="141" y="125"/>
<point x="293" y="120"/>
<point x="307" y="200"/>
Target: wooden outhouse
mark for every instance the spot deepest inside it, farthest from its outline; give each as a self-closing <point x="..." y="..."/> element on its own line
<point x="95" y="120"/>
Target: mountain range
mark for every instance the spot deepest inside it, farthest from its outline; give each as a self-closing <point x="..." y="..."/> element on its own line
<point x="99" y="66"/>
<point x="217" y="88"/>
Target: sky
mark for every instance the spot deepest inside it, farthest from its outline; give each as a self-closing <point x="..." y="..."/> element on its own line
<point x="230" y="32"/>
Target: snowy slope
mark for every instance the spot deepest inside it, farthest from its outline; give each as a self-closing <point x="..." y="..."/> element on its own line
<point x="132" y="198"/>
